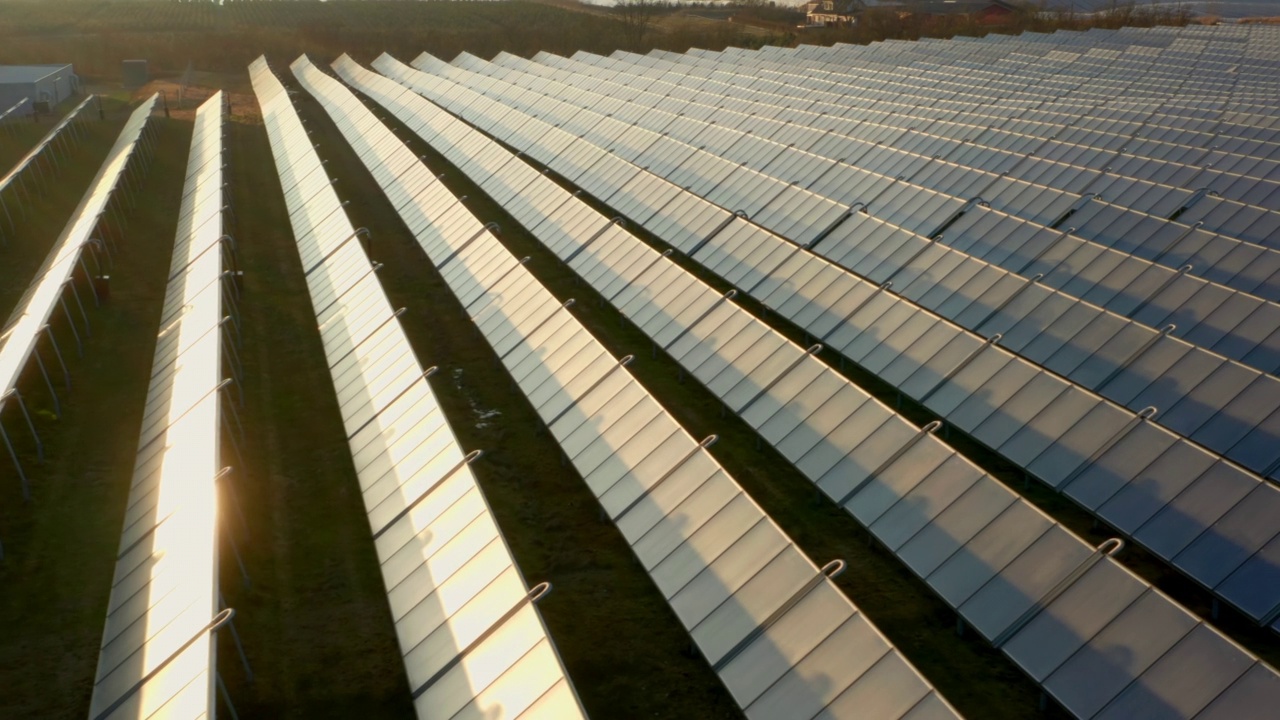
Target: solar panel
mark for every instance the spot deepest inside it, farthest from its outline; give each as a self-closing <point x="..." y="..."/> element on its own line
<point x="29" y="321"/>
<point x="754" y="119"/>
<point x="787" y="81"/>
<point x="15" y="181"/>
<point x="158" y="652"/>
<point x="471" y="637"/>
<point x="13" y="109"/>
<point x="985" y="551"/>
<point x="774" y="628"/>
<point x="1168" y="295"/>
<point x="989" y="388"/>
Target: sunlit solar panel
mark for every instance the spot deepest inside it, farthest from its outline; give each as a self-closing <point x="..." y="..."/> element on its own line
<point x="471" y="638"/>
<point x="158" y="649"/>
<point x="1077" y="442"/>
<point x="15" y="194"/>
<point x="769" y="621"/>
<point x="28" y="323"/>
<point x="887" y="463"/>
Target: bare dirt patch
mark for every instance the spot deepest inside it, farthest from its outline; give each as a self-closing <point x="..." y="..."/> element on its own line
<point x="183" y="102"/>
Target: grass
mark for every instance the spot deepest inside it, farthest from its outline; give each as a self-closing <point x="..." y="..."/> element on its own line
<point x="97" y="36"/>
<point x="224" y="37"/>
<point x="17" y="137"/>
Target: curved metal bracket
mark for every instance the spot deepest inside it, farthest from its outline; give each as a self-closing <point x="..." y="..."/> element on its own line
<point x="539" y="591"/>
<point x="1111" y="547"/>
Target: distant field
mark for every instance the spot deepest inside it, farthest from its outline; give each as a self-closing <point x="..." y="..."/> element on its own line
<point x="1219" y="8"/>
<point x="212" y="37"/>
<point x="96" y="36"/>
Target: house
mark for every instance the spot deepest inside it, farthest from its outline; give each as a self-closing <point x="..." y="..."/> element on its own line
<point x="833" y="13"/>
<point x="47" y="84"/>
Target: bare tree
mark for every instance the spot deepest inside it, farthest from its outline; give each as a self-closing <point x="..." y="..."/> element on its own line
<point x="637" y="18"/>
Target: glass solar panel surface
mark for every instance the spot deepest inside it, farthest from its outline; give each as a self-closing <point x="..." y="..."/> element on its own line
<point x="766" y="618"/>
<point x="471" y="638"/>
<point x="730" y="338"/>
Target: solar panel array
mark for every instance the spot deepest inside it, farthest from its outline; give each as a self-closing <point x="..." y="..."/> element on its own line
<point x="473" y="643"/>
<point x="158" y="651"/>
<point x="1012" y="572"/>
<point x="1033" y="407"/>
<point x="782" y="638"/>
<point x="945" y="379"/>
<point x="913" y="206"/>
<point x="29" y="321"/>
<point x="15" y="181"/>
<point x="4" y="115"/>
<point x="1064" y="246"/>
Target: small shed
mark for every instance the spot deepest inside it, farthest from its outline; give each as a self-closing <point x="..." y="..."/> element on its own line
<point x="135" y="73"/>
<point x="50" y="84"/>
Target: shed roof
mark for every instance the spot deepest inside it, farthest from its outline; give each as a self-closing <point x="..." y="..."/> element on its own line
<point x="27" y="73"/>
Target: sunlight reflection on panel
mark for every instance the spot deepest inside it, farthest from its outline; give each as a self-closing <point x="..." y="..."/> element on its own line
<point x="157" y="655"/>
<point x="463" y="614"/>
<point x="22" y="330"/>
<point x="11" y="178"/>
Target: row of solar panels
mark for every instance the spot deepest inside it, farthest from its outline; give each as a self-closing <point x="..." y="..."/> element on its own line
<point x="1027" y="78"/>
<point x="1240" y="50"/>
<point x="1002" y="71"/>
<point x="1230" y="9"/>
<point x="783" y="639"/>
<point x="1220" y="370"/>
<point x="905" y="156"/>
<point x="1141" y="479"/>
<point x="15" y="182"/>
<point x="1148" y="72"/>
<point x="936" y="158"/>
<point x="822" y="142"/>
<point x="1014" y="574"/>
<point x="158" y="652"/>
<point x="472" y="641"/>
<point x="10" y="111"/>
<point x="1228" y="321"/>
<point x="984" y="300"/>
<point x="1238" y="309"/>
<point x="29" y="321"/>
<point x="1099" y="127"/>
<point x="1008" y="84"/>
<point x="1213" y="8"/>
